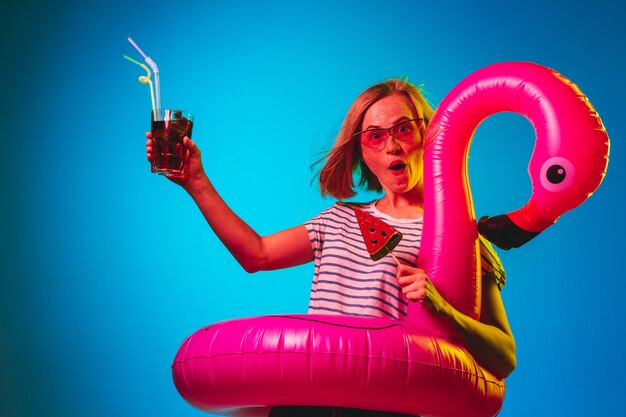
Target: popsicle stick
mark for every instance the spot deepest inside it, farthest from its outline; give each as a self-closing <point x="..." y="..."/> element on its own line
<point x="395" y="258"/>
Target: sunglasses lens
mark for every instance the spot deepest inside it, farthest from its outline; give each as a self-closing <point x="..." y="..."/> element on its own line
<point x="405" y="130"/>
<point x="374" y="138"/>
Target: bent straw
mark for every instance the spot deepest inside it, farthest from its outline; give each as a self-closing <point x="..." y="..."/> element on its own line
<point x="155" y="70"/>
<point x="145" y="79"/>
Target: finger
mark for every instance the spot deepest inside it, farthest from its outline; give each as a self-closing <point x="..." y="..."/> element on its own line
<point x="411" y="296"/>
<point x="418" y="295"/>
<point x="176" y="179"/>
<point x="149" y="135"/>
<point x="191" y="145"/>
<point x="403" y="270"/>
<point x="403" y="280"/>
<point x="414" y="286"/>
<point x="410" y="279"/>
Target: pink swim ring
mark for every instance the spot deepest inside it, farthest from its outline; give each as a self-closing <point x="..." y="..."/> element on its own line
<point x="416" y="366"/>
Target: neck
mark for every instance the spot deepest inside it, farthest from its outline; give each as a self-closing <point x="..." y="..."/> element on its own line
<point x="408" y="205"/>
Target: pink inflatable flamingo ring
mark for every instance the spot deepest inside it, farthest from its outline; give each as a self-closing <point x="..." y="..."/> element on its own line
<point x="415" y="366"/>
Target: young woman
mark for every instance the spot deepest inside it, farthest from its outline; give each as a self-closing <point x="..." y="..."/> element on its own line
<point x="381" y="140"/>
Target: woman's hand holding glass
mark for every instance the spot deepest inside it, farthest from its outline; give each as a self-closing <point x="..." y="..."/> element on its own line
<point x="194" y="177"/>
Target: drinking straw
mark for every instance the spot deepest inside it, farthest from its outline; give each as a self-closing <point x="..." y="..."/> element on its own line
<point x="145" y="80"/>
<point x="155" y="70"/>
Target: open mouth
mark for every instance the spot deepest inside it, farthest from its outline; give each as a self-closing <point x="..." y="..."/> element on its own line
<point x="397" y="167"/>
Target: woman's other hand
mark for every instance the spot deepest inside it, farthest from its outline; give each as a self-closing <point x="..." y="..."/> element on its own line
<point x="490" y="342"/>
<point x="417" y="287"/>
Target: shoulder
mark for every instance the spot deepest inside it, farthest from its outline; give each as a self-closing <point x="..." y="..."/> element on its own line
<point x="339" y="215"/>
<point x="351" y="205"/>
<point x="335" y="215"/>
<point x="346" y="209"/>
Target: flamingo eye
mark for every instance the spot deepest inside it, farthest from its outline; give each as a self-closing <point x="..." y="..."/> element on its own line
<point x="557" y="174"/>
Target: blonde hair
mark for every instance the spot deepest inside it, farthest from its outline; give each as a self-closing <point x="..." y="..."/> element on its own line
<point x="344" y="159"/>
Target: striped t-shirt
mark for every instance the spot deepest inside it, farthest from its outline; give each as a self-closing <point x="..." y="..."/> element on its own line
<point x="346" y="280"/>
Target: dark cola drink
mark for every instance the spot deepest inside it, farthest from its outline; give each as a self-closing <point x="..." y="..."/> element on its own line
<point x="169" y="127"/>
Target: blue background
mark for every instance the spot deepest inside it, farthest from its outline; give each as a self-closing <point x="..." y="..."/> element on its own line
<point x="107" y="267"/>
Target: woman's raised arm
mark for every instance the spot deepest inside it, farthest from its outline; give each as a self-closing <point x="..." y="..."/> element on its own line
<point x="254" y="252"/>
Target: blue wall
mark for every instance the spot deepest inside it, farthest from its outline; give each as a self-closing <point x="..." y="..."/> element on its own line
<point x="107" y="267"/>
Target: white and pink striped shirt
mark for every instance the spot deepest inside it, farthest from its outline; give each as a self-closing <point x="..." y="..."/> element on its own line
<point x="347" y="282"/>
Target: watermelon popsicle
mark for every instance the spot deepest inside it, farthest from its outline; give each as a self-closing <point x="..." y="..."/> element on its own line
<point x="380" y="238"/>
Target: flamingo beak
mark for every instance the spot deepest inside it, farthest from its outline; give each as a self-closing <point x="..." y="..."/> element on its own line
<point x="501" y="231"/>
